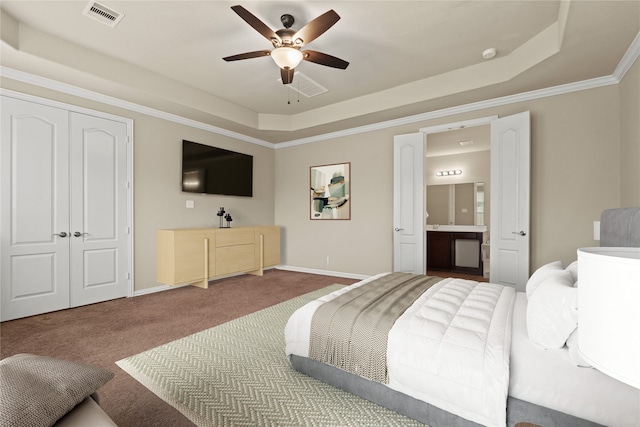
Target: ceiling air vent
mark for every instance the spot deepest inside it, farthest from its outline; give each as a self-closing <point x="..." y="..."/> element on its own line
<point x="305" y="85"/>
<point x="103" y="14"/>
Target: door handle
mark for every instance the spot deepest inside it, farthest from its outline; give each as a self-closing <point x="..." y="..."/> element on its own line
<point x="78" y="234"/>
<point x="398" y="229"/>
<point x="522" y="233"/>
<point x="63" y="234"/>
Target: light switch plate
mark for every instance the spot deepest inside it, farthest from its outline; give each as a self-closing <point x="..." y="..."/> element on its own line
<point x="190" y="204"/>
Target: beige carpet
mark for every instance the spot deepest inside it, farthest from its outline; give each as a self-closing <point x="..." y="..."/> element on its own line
<point x="236" y="374"/>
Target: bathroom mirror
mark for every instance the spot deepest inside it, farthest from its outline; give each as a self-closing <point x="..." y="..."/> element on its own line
<point x="456" y="204"/>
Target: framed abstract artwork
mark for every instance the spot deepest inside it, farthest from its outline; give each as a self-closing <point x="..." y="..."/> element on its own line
<point x="330" y="192"/>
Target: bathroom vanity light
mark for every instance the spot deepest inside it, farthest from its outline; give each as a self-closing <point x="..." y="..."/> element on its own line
<point x="449" y="173"/>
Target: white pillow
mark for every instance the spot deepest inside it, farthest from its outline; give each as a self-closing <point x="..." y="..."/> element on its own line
<point x="574" y="356"/>
<point x="552" y="311"/>
<point x="542" y="273"/>
<point x="573" y="268"/>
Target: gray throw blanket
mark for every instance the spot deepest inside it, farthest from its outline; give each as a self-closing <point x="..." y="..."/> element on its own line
<point x="350" y="332"/>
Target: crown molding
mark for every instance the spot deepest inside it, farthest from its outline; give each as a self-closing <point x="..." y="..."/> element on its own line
<point x="120" y="103"/>
<point x="629" y="58"/>
<point x="466" y="108"/>
<point x="625" y="64"/>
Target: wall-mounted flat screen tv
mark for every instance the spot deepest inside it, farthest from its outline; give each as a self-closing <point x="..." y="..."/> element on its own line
<point x="211" y="170"/>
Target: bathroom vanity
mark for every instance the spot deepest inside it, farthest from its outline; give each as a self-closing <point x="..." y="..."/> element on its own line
<point x="455" y="248"/>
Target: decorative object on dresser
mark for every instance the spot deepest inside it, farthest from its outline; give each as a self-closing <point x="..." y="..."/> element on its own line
<point x="220" y="215"/>
<point x="195" y="256"/>
<point x="228" y="218"/>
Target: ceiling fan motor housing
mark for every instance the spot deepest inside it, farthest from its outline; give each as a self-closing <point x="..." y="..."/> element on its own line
<point x="287" y="20"/>
<point x="286" y="38"/>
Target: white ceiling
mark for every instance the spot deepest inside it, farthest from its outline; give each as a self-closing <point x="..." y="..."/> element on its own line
<point x="406" y="57"/>
<point x="447" y="143"/>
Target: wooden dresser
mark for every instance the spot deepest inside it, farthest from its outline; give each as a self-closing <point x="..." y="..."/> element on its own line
<point x="196" y="255"/>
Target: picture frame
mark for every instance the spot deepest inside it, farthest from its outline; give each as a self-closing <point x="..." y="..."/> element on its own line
<point x="330" y="192"/>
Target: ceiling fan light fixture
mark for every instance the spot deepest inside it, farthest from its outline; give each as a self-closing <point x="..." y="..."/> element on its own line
<point x="286" y="57"/>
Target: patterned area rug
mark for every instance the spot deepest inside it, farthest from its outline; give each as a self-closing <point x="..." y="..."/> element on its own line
<point x="236" y="374"/>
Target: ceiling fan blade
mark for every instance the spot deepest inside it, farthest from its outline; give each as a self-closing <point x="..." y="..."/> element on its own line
<point x="317" y="27"/>
<point x="257" y="24"/>
<point x="248" y="55"/>
<point x="287" y="75"/>
<point x="324" y="59"/>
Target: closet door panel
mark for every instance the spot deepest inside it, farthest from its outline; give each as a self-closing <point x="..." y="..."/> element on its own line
<point x="98" y="209"/>
<point x="34" y="229"/>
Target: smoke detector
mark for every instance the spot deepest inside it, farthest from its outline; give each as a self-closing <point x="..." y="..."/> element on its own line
<point x="489" y="53"/>
<point x="103" y="14"/>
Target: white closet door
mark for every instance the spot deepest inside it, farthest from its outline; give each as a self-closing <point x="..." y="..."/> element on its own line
<point x="34" y="225"/>
<point x="99" y="231"/>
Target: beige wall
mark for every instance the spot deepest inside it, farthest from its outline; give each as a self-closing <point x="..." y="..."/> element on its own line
<point x="160" y="203"/>
<point x="158" y="199"/>
<point x="630" y="138"/>
<point x="575" y="146"/>
<point x="577" y="140"/>
<point x="355" y="246"/>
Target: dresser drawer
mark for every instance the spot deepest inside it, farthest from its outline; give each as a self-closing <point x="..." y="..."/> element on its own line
<point x="234" y="236"/>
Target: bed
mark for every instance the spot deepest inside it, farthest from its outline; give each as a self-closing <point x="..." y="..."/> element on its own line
<point x="487" y="359"/>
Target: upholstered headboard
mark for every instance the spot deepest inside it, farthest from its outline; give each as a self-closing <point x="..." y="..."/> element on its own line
<point x="620" y="227"/>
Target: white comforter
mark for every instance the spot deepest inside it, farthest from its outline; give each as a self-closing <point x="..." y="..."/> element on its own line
<point x="450" y="348"/>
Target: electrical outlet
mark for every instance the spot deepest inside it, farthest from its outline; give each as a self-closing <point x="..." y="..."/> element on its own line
<point x="327" y="260"/>
<point x="190" y="204"/>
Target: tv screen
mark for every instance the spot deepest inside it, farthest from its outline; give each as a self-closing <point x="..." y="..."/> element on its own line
<point x="211" y="170"/>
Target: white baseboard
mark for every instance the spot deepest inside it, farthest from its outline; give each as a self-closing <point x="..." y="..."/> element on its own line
<point x="278" y="267"/>
<point x="155" y="289"/>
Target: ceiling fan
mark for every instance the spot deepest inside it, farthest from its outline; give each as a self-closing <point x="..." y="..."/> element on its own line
<point x="288" y="42"/>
